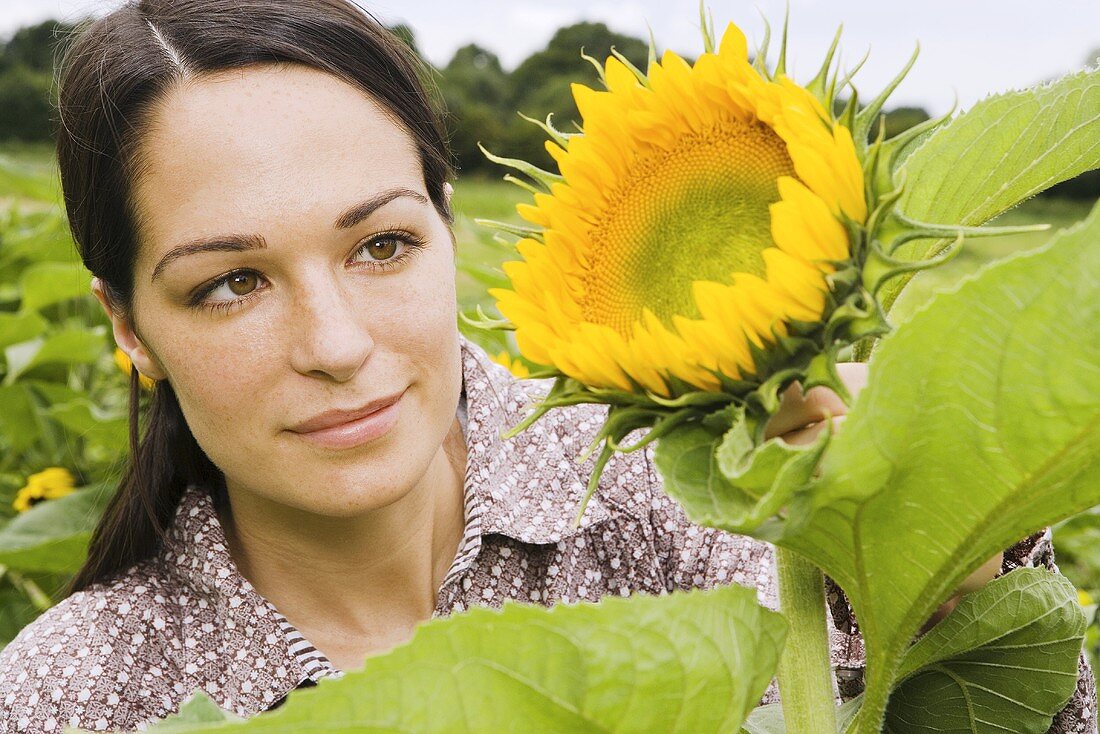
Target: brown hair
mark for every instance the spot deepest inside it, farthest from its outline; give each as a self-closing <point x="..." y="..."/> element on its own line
<point x="112" y="75"/>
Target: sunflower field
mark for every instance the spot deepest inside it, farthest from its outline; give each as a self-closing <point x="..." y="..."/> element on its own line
<point x="672" y="314"/>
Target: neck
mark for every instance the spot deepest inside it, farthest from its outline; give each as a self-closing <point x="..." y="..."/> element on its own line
<point x="358" y="584"/>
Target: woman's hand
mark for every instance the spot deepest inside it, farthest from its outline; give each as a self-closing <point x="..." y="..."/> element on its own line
<point x="801" y="417"/>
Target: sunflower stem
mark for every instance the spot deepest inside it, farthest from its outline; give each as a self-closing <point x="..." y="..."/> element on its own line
<point x="805" y="676"/>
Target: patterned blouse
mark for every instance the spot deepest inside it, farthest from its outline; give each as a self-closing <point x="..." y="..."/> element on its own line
<point x="118" y="655"/>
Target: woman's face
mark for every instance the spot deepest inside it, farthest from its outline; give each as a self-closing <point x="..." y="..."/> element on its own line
<point x="314" y="275"/>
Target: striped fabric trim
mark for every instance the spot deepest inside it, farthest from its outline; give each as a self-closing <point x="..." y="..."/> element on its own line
<point x="314" y="663"/>
<point x="471" y="537"/>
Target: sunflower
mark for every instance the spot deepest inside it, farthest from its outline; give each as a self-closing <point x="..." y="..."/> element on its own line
<point x="47" y="484"/>
<point x="696" y="218"/>
<point x="123" y="361"/>
<point x="515" y="366"/>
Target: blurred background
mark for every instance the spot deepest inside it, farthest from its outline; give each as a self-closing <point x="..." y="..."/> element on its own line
<point x="64" y="386"/>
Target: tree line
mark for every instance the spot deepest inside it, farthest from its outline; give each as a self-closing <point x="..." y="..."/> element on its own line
<point x="482" y="101"/>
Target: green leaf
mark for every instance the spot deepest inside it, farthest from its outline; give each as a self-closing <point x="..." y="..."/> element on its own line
<point x="47" y="283"/>
<point x="979" y="425"/>
<point x="72" y="346"/>
<point x="18" y="417"/>
<point x="41" y="236"/>
<point x="727" y="482"/>
<point x="1004" y="660"/>
<point x="769" y="719"/>
<point x="16" y="612"/>
<point x="87" y="421"/>
<point x="198" y="709"/>
<point x="1002" y="151"/>
<point x="20" y="327"/>
<point x="53" y="535"/>
<point x="684" y="662"/>
<point x="765" y="720"/>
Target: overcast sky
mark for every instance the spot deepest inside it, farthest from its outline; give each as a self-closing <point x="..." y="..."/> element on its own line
<point x="969" y="47"/>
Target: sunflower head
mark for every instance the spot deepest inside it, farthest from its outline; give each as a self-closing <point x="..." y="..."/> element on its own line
<point x="713" y="233"/>
<point x="47" y="484"/>
<point x="695" y="221"/>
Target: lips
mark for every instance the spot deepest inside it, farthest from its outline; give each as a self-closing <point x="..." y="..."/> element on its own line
<point x="332" y="418"/>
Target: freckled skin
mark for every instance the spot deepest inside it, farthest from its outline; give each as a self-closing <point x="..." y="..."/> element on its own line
<point x="282" y="151"/>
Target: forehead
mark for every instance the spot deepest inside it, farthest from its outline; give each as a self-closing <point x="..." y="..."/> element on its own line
<point x="244" y="144"/>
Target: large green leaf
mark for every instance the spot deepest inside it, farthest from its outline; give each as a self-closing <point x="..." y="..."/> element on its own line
<point x="20" y="327"/>
<point x="16" y="612"/>
<point x="72" y="346"/>
<point x="40" y="236"/>
<point x="685" y="662"/>
<point x="46" y="283"/>
<point x="1004" y="660"/>
<point x="199" y="709"/>
<point x="1002" y="151"/>
<point x="53" y="535"/>
<point x="979" y="425"/>
<point x="18" y="417"/>
<point x="86" y="420"/>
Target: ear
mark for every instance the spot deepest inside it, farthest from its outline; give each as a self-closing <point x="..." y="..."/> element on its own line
<point x="448" y="190"/>
<point x="126" y="338"/>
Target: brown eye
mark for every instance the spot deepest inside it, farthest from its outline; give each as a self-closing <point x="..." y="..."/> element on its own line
<point x="382" y="249"/>
<point x="242" y="283"/>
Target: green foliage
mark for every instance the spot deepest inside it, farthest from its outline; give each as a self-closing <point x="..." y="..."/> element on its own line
<point x="1005" y="660"/>
<point x="34" y="47"/>
<point x="25" y="104"/>
<point x="26" y="80"/>
<point x="960" y="465"/>
<point x="54" y="535"/>
<point x="722" y="482"/>
<point x="647" y="664"/>
<point x="1002" y="151"/>
<point x="62" y="399"/>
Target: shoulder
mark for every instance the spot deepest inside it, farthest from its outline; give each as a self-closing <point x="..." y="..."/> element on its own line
<point x="72" y="665"/>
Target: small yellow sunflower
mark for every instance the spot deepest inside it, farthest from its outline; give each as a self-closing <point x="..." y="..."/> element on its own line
<point x="694" y="220"/>
<point x="123" y="361"/>
<point x="515" y="366"/>
<point x="47" y="484"/>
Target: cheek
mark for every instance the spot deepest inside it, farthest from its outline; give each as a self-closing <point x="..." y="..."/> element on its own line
<point x="417" y="317"/>
<point x="216" y="380"/>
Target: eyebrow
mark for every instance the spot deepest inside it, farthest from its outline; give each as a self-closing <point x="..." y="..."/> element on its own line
<point x="351" y="216"/>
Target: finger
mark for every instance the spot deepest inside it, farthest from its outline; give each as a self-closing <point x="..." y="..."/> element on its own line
<point x="980" y="577"/>
<point x="809" y="434"/>
<point x="973" y="582"/>
<point x="798" y="410"/>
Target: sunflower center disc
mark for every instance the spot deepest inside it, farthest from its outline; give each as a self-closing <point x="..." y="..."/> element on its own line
<point x="698" y="211"/>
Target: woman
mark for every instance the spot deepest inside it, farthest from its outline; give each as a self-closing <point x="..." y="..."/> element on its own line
<point x="261" y="190"/>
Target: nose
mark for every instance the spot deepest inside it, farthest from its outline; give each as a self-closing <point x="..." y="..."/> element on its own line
<point x="330" y="338"/>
